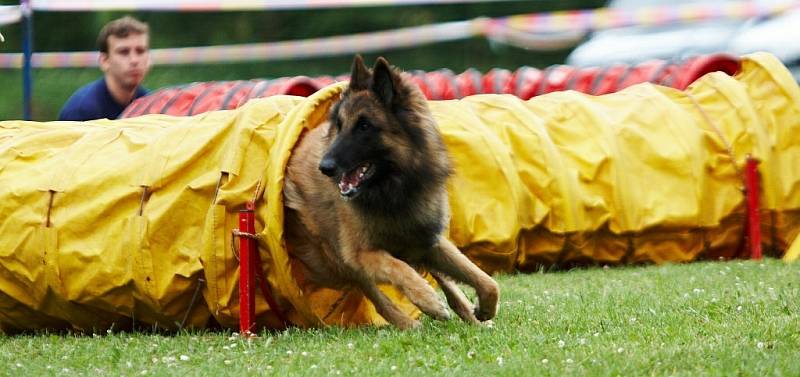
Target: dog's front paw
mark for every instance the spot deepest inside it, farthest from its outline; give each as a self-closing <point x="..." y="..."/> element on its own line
<point x="485" y="315"/>
<point x="488" y="303"/>
<point x="431" y="305"/>
<point x="440" y="313"/>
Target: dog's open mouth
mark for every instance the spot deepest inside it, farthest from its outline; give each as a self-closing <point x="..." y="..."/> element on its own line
<point x="351" y="182"/>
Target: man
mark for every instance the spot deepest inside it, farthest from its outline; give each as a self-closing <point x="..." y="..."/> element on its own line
<point x="125" y="60"/>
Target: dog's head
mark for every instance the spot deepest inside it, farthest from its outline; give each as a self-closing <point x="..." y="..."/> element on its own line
<point x="381" y="136"/>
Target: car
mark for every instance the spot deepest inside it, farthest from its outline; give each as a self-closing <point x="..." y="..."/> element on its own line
<point x="778" y="35"/>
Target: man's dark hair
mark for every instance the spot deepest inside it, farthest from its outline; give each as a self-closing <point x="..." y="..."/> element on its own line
<point x="120" y="28"/>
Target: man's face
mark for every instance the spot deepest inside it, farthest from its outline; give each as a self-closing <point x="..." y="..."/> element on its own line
<point x="128" y="59"/>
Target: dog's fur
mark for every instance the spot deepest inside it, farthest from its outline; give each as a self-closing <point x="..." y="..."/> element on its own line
<point x="366" y="200"/>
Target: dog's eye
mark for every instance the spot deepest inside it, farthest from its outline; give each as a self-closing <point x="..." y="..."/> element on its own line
<point x="363" y="125"/>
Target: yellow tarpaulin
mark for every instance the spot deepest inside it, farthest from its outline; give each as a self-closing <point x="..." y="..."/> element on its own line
<point x="104" y="223"/>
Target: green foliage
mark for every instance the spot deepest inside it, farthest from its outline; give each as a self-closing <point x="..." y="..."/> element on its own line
<point x="710" y="318"/>
<point x="77" y="31"/>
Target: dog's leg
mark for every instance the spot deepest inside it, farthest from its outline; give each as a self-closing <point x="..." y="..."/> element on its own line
<point x="456" y="298"/>
<point x="386" y="308"/>
<point x="447" y="259"/>
<point x="380" y="266"/>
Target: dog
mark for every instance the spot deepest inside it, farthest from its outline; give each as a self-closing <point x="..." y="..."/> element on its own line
<point x="366" y="202"/>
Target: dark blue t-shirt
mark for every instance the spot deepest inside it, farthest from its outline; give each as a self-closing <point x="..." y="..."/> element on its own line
<point x="94" y="101"/>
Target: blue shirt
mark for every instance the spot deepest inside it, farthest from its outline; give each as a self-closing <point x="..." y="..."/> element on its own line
<point x="94" y="101"/>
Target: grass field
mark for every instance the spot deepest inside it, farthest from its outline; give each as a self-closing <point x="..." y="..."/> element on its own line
<point x="738" y="318"/>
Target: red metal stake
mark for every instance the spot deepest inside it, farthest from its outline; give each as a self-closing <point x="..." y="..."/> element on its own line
<point x="247" y="246"/>
<point x="752" y="193"/>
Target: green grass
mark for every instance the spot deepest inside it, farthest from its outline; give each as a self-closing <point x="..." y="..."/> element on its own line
<point x="711" y="318"/>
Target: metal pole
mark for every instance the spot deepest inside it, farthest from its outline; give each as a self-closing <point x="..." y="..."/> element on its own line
<point x="247" y="246"/>
<point x="753" y="217"/>
<point x="27" y="51"/>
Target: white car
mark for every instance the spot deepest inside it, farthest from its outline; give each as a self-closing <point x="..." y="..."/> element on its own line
<point x="779" y="35"/>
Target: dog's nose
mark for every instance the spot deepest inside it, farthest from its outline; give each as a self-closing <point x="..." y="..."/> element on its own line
<point x="327" y="166"/>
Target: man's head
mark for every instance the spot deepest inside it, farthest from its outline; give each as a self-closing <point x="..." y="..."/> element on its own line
<point x="124" y="46"/>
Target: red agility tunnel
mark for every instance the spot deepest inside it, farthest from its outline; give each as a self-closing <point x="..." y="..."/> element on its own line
<point x="525" y="82"/>
<point x="201" y="97"/>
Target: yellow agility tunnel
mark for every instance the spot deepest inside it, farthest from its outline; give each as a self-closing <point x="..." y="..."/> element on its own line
<point x="107" y="223"/>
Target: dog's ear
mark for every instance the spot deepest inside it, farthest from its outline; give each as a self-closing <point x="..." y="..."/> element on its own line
<point x="359" y="75"/>
<point x="383" y="81"/>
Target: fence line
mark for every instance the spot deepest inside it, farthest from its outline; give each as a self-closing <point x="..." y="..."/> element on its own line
<point x="225" y="5"/>
<point x="10" y="14"/>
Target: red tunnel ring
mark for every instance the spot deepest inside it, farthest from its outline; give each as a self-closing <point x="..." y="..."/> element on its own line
<point x="525" y="83"/>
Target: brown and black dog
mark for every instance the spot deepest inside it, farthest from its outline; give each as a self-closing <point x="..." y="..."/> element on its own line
<point x="366" y="201"/>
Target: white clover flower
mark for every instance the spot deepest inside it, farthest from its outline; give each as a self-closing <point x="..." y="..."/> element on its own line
<point x="569" y="361"/>
<point x="394" y="367"/>
<point x="184" y="358"/>
<point x="499" y="360"/>
<point x="227" y="362"/>
<point x="545" y="361"/>
<point x="350" y="346"/>
<point x="561" y="343"/>
<point x="620" y="350"/>
<point x="760" y="345"/>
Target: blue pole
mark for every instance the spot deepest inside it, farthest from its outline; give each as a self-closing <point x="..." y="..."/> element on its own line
<point x="27" y="53"/>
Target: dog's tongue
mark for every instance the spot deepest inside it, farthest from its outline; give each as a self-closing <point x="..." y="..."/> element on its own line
<point x="352" y="179"/>
<point x="349" y="181"/>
